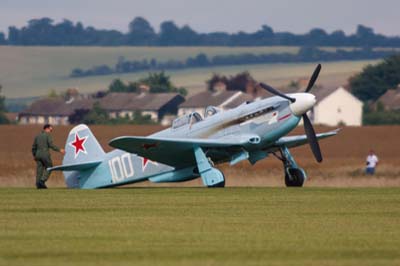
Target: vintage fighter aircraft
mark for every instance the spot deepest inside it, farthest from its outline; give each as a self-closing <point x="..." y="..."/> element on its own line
<point x="194" y="145"/>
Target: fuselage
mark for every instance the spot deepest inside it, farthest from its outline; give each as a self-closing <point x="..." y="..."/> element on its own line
<point x="269" y="119"/>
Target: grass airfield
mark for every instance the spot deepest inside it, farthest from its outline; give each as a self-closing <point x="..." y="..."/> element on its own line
<point x="198" y="226"/>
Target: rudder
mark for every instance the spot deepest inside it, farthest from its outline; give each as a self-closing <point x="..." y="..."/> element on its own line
<point x="82" y="146"/>
<point x="83" y="150"/>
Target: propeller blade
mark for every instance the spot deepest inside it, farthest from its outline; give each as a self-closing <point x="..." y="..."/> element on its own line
<point x="313" y="78"/>
<point x="312" y="138"/>
<point x="276" y="92"/>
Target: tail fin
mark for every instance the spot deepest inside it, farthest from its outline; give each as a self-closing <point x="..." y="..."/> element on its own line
<point x="82" y="152"/>
<point x="82" y="147"/>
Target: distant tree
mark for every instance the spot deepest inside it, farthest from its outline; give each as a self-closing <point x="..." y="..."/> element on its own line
<point x="77" y="72"/>
<point x="187" y="36"/>
<point x="264" y="36"/>
<point x="97" y="115"/>
<point x="78" y="116"/>
<point x="200" y="60"/>
<point x="2" y="39"/>
<point x="139" y="118"/>
<point x="364" y="32"/>
<point x="382" y="118"/>
<point x="141" y="32"/>
<point x="161" y="83"/>
<point x="117" y="86"/>
<point x="39" y="31"/>
<point x="13" y="35"/>
<point x="317" y="37"/>
<point x="2" y="101"/>
<point x="215" y="78"/>
<point x="168" y="34"/>
<point x="240" y="81"/>
<point x="3" y="118"/>
<point x="338" y="38"/>
<point x="375" y="80"/>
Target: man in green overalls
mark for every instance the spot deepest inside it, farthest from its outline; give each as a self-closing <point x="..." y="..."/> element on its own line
<point x="41" y="154"/>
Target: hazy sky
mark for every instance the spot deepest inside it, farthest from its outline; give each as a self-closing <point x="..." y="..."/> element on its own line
<point x="213" y="15"/>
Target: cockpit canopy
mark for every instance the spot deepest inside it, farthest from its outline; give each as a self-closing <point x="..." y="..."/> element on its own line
<point x="211" y="110"/>
<point x="187" y="119"/>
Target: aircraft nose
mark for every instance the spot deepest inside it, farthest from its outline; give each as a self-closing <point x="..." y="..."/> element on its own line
<point x="304" y="102"/>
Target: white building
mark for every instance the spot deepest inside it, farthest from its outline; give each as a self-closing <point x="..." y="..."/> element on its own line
<point x="336" y="106"/>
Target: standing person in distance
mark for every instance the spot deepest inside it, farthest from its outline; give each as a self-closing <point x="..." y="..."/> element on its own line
<point x="42" y="144"/>
<point x="372" y="162"/>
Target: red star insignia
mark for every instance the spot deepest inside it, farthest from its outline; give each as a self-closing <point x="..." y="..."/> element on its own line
<point x="147" y="146"/>
<point x="78" y="144"/>
<point x="145" y="161"/>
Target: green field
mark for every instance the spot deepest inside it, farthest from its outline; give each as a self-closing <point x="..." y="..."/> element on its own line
<point x="33" y="71"/>
<point x="198" y="226"/>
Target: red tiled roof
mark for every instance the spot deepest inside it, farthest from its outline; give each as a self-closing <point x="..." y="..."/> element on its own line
<point x="207" y="98"/>
<point x="135" y="101"/>
<point x="56" y="107"/>
<point x="391" y="99"/>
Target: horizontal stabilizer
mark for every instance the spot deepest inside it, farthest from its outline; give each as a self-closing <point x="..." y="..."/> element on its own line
<point x="75" y="167"/>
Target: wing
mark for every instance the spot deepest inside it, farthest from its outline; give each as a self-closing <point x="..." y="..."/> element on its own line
<point x="294" y="141"/>
<point x="177" y="152"/>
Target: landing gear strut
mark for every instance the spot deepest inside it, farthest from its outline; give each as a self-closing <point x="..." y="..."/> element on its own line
<point x="294" y="175"/>
<point x="211" y="176"/>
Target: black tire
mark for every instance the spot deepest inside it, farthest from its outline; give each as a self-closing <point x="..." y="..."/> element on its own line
<point x="220" y="184"/>
<point x="294" y="177"/>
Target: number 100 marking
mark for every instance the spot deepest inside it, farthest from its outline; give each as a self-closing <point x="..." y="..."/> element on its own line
<point x="121" y="168"/>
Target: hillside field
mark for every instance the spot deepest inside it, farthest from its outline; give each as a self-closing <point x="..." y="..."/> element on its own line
<point x="35" y="71"/>
<point x="344" y="158"/>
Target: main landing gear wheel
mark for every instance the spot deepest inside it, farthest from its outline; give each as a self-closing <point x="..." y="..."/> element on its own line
<point x="216" y="176"/>
<point x="294" y="177"/>
<point x="210" y="176"/>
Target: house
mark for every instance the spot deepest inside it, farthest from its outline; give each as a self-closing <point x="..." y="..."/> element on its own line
<point x="336" y="106"/>
<point x="223" y="99"/>
<point x="54" y="111"/>
<point x="391" y="99"/>
<point x="12" y="117"/>
<point x="157" y="105"/>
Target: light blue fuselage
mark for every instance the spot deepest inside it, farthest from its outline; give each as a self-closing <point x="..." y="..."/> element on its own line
<point x="119" y="167"/>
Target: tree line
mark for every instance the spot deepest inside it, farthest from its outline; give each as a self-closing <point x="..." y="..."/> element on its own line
<point x="305" y="54"/>
<point x="373" y="82"/>
<point x="3" y="110"/>
<point x="44" y="31"/>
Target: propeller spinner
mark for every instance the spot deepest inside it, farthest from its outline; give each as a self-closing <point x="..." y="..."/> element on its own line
<point x="300" y="105"/>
